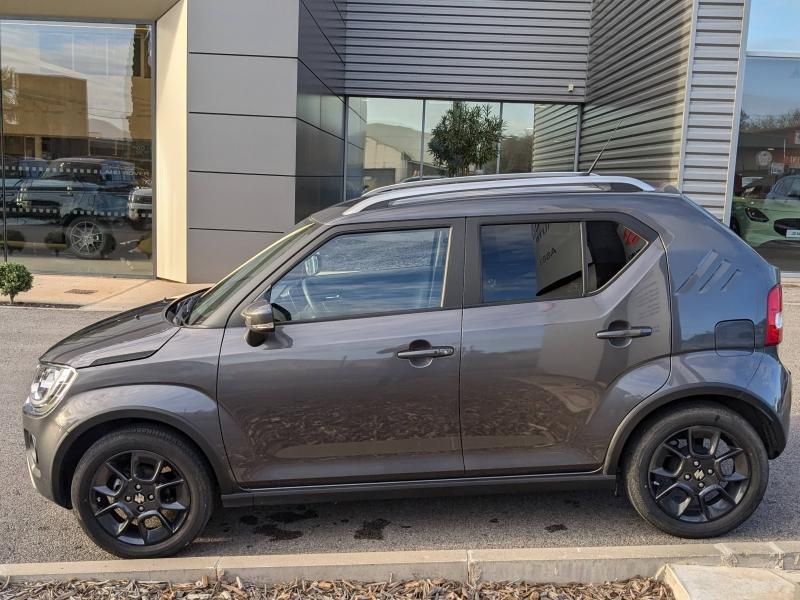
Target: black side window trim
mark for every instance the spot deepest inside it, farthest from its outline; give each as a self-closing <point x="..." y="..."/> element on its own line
<point x="473" y="267"/>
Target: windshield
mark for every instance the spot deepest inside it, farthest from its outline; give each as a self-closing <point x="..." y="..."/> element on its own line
<point x="208" y="302"/>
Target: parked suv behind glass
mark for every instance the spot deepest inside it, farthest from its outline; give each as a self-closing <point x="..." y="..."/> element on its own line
<point x="84" y="197"/>
<point x="491" y="333"/>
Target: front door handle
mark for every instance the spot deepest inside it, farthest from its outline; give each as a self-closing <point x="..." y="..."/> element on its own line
<point x="434" y="352"/>
<point x="628" y="332"/>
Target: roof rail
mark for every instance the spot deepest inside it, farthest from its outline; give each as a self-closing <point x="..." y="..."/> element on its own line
<point x="418" y="189"/>
<point x="469" y="178"/>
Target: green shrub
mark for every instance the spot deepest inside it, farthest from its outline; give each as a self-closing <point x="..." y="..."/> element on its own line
<point x="14" y="279"/>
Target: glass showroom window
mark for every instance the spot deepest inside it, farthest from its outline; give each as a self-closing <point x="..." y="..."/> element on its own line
<point x="388" y="140"/>
<point x="386" y="133"/>
<point x="77" y="158"/>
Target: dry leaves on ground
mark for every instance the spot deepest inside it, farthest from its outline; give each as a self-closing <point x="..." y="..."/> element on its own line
<point x="421" y="589"/>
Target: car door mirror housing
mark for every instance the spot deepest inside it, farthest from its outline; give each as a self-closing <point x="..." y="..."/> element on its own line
<point x="258" y="317"/>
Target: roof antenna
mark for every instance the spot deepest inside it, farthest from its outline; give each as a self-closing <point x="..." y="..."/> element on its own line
<point x="603" y="149"/>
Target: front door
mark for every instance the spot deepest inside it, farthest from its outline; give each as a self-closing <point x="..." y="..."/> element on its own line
<point x="360" y="380"/>
<point x="566" y="327"/>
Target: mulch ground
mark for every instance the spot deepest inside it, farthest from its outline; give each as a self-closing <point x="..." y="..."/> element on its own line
<point x="422" y="589"/>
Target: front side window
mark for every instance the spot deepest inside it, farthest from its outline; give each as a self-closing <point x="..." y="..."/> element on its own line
<point x="366" y="274"/>
<point x="528" y="261"/>
<point x="248" y="273"/>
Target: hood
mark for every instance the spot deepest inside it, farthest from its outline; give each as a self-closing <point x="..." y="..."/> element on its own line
<point x="131" y="335"/>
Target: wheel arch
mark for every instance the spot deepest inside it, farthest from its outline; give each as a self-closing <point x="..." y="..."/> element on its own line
<point x="75" y="445"/>
<point x="747" y="406"/>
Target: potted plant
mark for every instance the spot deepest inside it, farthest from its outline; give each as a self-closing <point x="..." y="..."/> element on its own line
<point x="14" y="279"/>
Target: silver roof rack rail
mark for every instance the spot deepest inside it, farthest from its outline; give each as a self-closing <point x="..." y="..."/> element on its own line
<point x="419" y="189"/>
<point x="469" y="178"/>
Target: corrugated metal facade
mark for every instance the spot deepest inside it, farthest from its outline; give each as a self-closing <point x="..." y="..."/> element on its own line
<point x="554" y="130"/>
<point x="494" y="49"/>
<point x="638" y="63"/>
<point x="713" y="120"/>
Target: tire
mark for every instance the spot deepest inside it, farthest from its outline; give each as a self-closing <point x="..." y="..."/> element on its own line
<point x="735" y="227"/>
<point x="185" y="481"/>
<point x="88" y="239"/>
<point x="706" y="500"/>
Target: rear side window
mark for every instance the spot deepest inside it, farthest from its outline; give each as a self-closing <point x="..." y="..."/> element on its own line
<point x="610" y="246"/>
<point x="526" y="261"/>
<point x="365" y="274"/>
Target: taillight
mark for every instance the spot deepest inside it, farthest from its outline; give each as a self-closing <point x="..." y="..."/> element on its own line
<point x="774" y="317"/>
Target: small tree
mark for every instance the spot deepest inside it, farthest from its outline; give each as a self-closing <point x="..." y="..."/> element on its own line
<point x="465" y="136"/>
<point x="14" y="279"/>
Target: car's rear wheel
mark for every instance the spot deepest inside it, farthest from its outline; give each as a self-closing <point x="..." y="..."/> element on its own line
<point x="735" y="226"/>
<point x="697" y="472"/>
<point x="142" y="492"/>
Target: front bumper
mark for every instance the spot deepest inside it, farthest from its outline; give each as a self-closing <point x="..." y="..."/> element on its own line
<point x="42" y="440"/>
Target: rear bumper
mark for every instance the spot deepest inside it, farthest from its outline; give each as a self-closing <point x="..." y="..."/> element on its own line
<point x="772" y="386"/>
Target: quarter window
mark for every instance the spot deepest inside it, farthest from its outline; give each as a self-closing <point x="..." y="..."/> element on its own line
<point x="366" y="273"/>
<point x="526" y="261"/>
<point x="610" y="247"/>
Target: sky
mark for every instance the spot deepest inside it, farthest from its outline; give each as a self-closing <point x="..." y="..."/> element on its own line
<point x="774" y="26"/>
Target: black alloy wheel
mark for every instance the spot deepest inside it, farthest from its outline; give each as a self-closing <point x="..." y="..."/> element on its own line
<point x="699" y="474"/>
<point x="142" y="491"/>
<point x="696" y="470"/>
<point x="139" y="497"/>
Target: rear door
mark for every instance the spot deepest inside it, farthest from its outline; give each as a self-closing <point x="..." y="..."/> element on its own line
<point x="566" y="326"/>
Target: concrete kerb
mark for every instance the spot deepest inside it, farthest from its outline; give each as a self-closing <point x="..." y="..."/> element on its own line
<point x="546" y="565"/>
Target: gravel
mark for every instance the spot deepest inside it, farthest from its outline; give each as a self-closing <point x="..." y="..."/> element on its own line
<point x="437" y="589"/>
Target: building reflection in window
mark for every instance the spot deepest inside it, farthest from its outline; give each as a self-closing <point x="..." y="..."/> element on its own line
<point x="388" y="140"/>
<point x="766" y="189"/>
<point x="76" y="156"/>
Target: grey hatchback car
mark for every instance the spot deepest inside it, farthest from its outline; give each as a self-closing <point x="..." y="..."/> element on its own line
<point x="481" y="333"/>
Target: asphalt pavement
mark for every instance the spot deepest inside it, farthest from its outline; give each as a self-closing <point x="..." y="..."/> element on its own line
<point x="35" y="530"/>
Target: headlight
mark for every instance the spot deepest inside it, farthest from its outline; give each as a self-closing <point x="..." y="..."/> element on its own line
<point x="49" y="387"/>
<point x="755" y="215"/>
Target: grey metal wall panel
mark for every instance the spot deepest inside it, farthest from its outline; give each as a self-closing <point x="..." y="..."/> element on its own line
<point x="494" y="49"/>
<point x="638" y="63"/>
<point x="241" y="202"/>
<point x="554" y="129"/>
<point x="713" y="107"/>
<point x="319" y="153"/>
<point x="320" y="31"/>
<point x="242" y="85"/>
<point x="251" y="27"/>
<point x="320" y="106"/>
<point x="213" y="253"/>
<point x="237" y="144"/>
<point x="242" y="129"/>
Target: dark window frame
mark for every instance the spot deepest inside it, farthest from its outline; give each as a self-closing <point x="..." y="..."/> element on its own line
<point x="473" y="284"/>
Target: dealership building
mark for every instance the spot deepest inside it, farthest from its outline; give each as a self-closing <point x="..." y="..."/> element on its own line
<point x="174" y="139"/>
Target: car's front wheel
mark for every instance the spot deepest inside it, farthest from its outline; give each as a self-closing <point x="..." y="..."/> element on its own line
<point x="142" y="492"/>
<point x="697" y="472"/>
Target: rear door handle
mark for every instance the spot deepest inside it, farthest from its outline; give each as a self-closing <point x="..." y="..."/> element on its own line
<point x="434" y="352"/>
<point x="629" y="332"/>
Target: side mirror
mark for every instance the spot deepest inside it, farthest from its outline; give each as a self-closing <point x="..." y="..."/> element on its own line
<point x="258" y="317"/>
